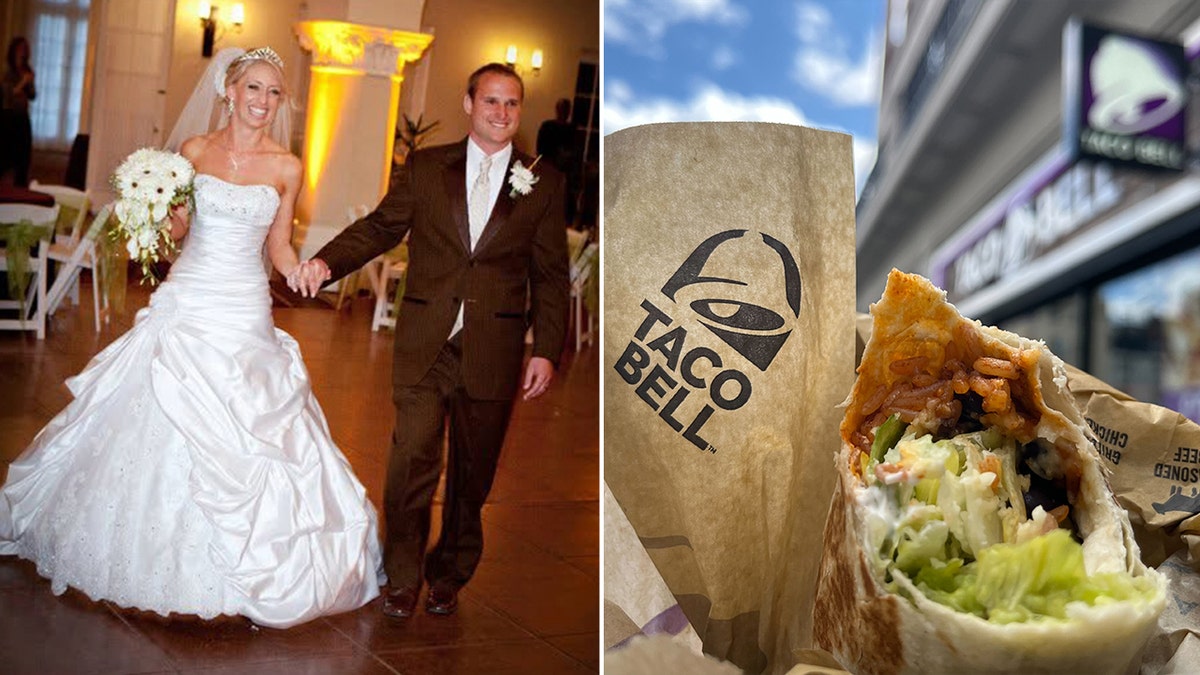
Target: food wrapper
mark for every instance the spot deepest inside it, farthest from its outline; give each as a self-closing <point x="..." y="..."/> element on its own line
<point x="1153" y="454"/>
<point x="728" y="343"/>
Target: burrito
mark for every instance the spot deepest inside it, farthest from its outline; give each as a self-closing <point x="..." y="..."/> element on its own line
<point x="973" y="529"/>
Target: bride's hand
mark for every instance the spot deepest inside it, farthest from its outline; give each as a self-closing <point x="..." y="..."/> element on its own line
<point x="293" y="277"/>
<point x="180" y="221"/>
<point x="313" y="273"/>
<point x="307" y="277"/>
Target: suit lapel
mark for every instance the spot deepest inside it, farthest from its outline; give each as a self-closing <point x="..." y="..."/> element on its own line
<point x="502" y="209"/>
<point x="456" y="191"/>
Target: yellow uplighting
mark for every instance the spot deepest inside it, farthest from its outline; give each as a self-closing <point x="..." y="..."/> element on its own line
<point x="337" y="70"/>
<point x="349" y="64"/>
<point x="510" y="55"/>
<point x="338" y="43"/>
<point x="326" y="91"/>
<point x="536" y="59"/>
<point x="237" y="15"/>
<point x="204" y="9"/>
<point x="331" y="36"/>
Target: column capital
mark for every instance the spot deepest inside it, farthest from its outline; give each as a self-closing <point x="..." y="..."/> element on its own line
<point x="360" y="49"/>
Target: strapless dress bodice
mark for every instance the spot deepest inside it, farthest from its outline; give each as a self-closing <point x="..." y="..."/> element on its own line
<point x="229" y="226"/>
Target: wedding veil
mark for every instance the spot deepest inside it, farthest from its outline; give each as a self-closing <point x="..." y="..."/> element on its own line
<point x="205" y="110"/>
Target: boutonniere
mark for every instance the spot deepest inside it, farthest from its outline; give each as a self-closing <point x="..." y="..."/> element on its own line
<point x="521" y="178"/>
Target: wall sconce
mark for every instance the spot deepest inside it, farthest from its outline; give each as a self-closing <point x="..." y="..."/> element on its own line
<point x="208" y="19"/>
<point x="535" y="60"/>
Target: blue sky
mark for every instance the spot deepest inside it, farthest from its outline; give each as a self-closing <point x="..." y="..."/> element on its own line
<point x="810" y="62"/>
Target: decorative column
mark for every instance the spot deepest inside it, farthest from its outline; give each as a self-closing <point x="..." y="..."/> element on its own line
<point x="352" y="99"/>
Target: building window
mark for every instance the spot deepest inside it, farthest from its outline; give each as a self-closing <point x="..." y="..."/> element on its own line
<point x="1146" y="333"/>
<point x="58" y="41"/>
<point x="943" y="42"/>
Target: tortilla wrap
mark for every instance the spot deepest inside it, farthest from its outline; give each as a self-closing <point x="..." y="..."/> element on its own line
<point x="875" y="619"/>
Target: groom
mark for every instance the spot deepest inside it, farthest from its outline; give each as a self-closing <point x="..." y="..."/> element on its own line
<point x="485" y="261"/>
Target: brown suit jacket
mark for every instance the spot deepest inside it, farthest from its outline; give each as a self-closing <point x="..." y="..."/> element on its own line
<point x="519" y="262"/>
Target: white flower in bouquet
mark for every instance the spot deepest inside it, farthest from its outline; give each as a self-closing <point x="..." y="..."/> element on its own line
<point x="521" y="178"/>
<point x="149" y="182"/>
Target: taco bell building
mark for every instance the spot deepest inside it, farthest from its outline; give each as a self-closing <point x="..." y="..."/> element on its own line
<point x="1041" y="162"/>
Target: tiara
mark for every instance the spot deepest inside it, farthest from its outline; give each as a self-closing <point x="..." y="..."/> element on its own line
<point x="261" y="54"/>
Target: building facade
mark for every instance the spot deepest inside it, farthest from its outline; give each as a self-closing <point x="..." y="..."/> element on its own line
<point x="1038" y="160"/>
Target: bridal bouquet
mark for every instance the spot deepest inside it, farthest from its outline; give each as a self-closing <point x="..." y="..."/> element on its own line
<point x="149" y="182"/>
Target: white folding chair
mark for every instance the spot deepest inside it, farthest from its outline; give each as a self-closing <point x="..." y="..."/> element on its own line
<point x="381" y="272"/>
<point x="350" y="283"/>
<point x="576" y="240"/>
<point x="83" y="256"/>
<point x="30" y="309"/>
<point x="581" y="277"/>
<point x="70" y="200"/>
<point x="393" y="265"/>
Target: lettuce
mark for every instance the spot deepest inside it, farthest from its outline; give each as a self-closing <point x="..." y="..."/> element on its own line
<point x="920" y="547"/>
<point x="1020" y="582"/>
<point x="955" y="524"/>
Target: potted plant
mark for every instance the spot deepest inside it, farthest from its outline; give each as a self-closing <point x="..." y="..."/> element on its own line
<point x="411" y="135"/>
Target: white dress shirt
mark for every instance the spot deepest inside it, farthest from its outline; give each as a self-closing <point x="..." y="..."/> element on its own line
<point x="496" y="179"/>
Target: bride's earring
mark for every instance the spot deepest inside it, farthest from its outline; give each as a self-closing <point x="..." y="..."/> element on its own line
<point x="229" y="106"/>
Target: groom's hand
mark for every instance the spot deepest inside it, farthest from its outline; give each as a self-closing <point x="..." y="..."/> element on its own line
<point x="312" y="274"/>
<point x="538" y="375"/>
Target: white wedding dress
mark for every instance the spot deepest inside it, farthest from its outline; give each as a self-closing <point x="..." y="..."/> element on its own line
<point x="194" y="471"/>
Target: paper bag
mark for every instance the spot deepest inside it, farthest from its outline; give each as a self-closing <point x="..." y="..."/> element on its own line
<point x="729" y="341"/>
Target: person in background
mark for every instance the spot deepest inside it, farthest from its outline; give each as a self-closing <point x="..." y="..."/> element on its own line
<point x="556" y="144"/>
<point x="17" y="90"/>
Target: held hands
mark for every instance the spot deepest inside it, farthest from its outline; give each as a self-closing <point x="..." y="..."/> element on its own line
<point x="307" y="277"/>
<point x="538" y="375"/>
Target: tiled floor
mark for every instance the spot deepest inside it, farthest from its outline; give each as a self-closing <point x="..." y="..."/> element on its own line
<point x="533" y="606"/>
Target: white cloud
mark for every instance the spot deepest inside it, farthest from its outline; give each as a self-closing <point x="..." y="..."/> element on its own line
<point x="709" y="103"/>
<point x="865" y="151"/>
<point x="813" y="22"/>
<point x="824" y="64"/>
<point x="723" y="57"/>
<point x="640" y="24"/>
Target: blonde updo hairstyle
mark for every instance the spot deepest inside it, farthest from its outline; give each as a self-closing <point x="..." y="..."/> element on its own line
<point x="281" y="126"/>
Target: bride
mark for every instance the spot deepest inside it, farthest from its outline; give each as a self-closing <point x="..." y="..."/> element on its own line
<point x="194" y="473"/>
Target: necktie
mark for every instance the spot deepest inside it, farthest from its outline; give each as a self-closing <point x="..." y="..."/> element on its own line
<point x="479" y="200"/>
<point x="477" y="216"/>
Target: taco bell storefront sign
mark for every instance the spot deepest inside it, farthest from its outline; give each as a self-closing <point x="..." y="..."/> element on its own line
<point x="1055" y="207"/>
<point x="1125" y="97"/>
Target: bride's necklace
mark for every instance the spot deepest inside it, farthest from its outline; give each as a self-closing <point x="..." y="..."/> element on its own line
<point x="237" y="157"/>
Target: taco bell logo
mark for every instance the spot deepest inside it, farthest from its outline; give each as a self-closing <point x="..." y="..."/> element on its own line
<point x="1127" y="98"/>
<point x="756" y="332"/>
<point x="1134" y="87"/>
<point x="742" y="288"/>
